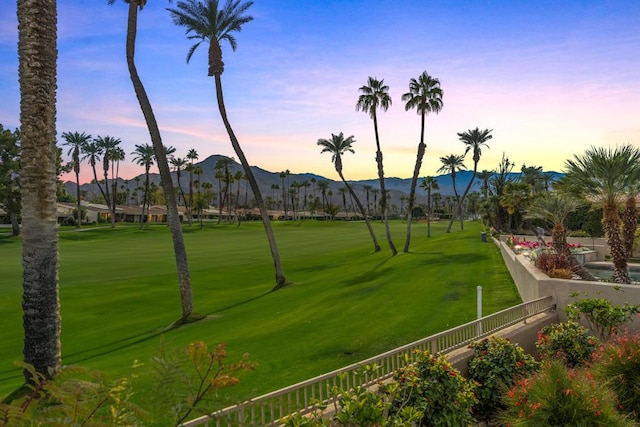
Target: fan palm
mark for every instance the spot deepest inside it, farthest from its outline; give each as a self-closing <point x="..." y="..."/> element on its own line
<point x="143" y="156"/>
<point x="76" y="141"/>
<point x="179" y="164"/>
<point x="451" y="164"/>
<point x="337" y="146"/>
<point x="429" y="183"/>
<point x="474" y="139"/>
<point x="425" y="95"/>
<point x="209" y="22"/>
<point x="374" y="95"/>
<point x="37" y="57"/>
<point x="92" y="151"/>
<point x="604" y="177"/>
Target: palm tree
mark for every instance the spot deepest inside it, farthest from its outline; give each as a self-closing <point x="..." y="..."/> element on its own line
<point x="367" y="190"/>
<point x="429" y="183"/>
<point x="375" y="192"/>
<point x="143" y="156"/>
<point x="337" y="146"/>
<point x="179" y="165"/>
<point x="474" y="139"/>
<point x="109" y="146"/>
<point x="210" y="23"/>
<point x="93" y="151"/>
<point x="323" y="186"/>
<point x="534" y="177"/>
<point x="37" y="55"/>
<point x="452" y="164"/>
<point x="76" y="141"/>
<point x="375" y="94"/>
<point x="425" y="95"/>
<point x="485" y="177"/>
<point x="192" y="155"/>
<point x="514" y="197"/>
<point x="604" y="177"/>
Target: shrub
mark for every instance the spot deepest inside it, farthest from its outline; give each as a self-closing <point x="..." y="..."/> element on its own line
<point x="578" y="233"/>
<point x="618" y="366"/>
<point x="548" y="261"/>
<point x="601" y="315"/>
<point x="496" y="365"/>
<point x="559" y="396"/>
<point x="435" y="388"/>
<point x="568" y="341"/>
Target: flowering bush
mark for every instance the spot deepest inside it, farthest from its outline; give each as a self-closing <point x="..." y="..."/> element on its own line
<point x="559" y="396"/>
<point x="601" y="315"/>
<point x="530" y="246"/>
<point x="496" y="365"/>
<point x="617" y="364"/>
<point x="568" y="341"/>
<point x="435" y="388"/>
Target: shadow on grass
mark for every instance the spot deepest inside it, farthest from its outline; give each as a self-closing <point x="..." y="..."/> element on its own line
<point x="8" y="239"/>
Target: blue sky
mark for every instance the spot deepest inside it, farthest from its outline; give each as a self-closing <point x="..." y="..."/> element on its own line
<point x="550" y="78"/>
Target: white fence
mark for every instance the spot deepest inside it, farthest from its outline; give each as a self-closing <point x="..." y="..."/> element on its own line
<point x="269" y="408"/>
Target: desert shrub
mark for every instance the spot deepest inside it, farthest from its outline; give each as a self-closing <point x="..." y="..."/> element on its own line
<point x="548" y="260"/>
<point x="602" y="317"/>
<point x="495" y="366"/>
<point x="435" y="388"/>
<point x="567" y="341"/>
<point x="617" y="364"/>
<point x="560" y="396"/>
<point x="560" y="273"/>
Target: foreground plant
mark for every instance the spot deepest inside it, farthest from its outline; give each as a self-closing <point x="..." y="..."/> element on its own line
<point x="567" y="341"/>
<point x="186" y="381"/>
<point x="560" y="396"/>
<point x="434" y="387"/>
<point x="617" y="364"/>
<point x="496" y="365"/>
<point x="602" y="317"/>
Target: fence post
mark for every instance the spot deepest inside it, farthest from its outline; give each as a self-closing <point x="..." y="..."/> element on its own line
<point x="479" y="309"/>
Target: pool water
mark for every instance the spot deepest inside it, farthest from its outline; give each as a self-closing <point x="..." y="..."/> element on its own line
<point x="604" y="271"/>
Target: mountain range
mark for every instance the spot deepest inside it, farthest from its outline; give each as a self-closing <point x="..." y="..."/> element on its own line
<point x="397" y="186"/>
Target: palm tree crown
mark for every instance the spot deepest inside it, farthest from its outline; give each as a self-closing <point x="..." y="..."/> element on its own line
<point x="337" y="146"/>
<point x="375" y="94"/>
<point x="207" y="22"/>
<point x="425" y="95"/>
<point x="474" y="139"/>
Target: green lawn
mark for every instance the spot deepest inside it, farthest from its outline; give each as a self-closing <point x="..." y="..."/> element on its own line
<point x="118" y="295"/>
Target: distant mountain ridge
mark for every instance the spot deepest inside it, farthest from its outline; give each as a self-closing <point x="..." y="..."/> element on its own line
<point x="397" y="186"/>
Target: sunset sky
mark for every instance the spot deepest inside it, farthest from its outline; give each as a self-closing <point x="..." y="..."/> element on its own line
<point x="550" y="78"/>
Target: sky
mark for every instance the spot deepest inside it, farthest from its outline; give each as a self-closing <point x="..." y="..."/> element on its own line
<point x="549" y="78"/>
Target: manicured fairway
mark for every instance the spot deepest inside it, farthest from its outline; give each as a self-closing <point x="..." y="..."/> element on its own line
<point x="118" y="295"/>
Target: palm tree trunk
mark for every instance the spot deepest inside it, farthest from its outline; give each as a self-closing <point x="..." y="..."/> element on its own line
<point x="429" y="211"/>
<point x="280" y="278"/>
<point x="629" y="224"/>
<point x="466" y="190"/>
<point x="611" y="226"/>
<point x="376" y="245"/>
<point x="383" y="191"/>
<point x="184" y="280"/>
<point x="78" y="213"/>
<point x="412" y="191"/>
<point x="37" y="52"/>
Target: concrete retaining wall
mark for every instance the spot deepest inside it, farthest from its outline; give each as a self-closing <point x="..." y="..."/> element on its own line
<point x="532" y="284"/>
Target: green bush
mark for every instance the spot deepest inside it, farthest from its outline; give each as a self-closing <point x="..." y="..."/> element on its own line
<point x="559" y="396"/>
<point x="496" y="365"/>
<point x="567" y="341"/>
<point x="435" y="388"/>
<point x="617" y="364"/>
<point x="601" y="315"/>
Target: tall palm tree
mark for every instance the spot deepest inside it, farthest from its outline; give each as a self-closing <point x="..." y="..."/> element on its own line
<point x="143" y="155"/>
<point x="604" y="176"/>
<point x="451" y="164"/>
<point x="374" y="95"/>
<point x="92" y="151"/>
<point x="76" y="141"/>
<point x="367" y="191"/>
<point x="37" y="58"/>
<point x="323" y="186"/>
<point x="208" y="22"/>
<point x="425" y="95"/>
<point x="192" y="155"/>
<point x="108" y="146"/>
<point x="337" y="146"/>
<point x="485" y="177"/>
<point x="429" y="183"/>
<point x="474" y="139"/>
<point x="283" y="176"/>
<point x="178" y="164"/>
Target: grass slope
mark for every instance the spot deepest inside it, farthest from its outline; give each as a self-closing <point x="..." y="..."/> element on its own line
<point x="118" y="293"/>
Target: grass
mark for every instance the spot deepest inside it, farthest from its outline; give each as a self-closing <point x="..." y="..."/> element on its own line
<point x="118" y="295"/>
